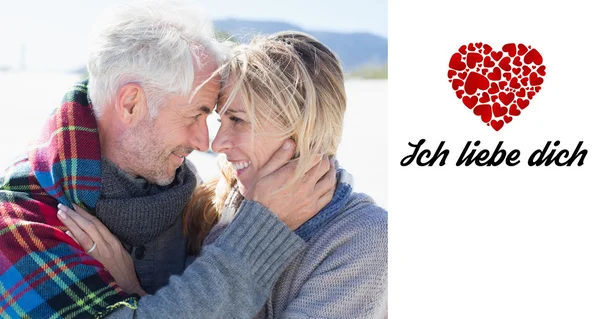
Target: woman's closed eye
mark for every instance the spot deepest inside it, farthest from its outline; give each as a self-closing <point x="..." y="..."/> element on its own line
<point x="234" y="119"/>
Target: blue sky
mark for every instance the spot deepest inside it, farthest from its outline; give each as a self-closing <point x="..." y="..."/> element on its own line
<point x="53" y="33"/>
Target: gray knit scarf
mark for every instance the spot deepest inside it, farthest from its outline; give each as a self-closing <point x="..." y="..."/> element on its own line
<point x="137" y="211"/>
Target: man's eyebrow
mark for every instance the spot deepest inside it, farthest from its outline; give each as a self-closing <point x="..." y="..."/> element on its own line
<point x="206" y="109"/>
<point x="202" y="108"/>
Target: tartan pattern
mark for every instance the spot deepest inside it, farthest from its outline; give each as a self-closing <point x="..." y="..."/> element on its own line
<point x="43" y="272"/>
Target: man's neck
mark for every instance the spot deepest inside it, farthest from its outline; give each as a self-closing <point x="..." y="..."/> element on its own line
<point x="108" y="146"/>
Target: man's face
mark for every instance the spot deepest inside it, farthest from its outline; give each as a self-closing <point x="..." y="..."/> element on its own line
<point x="157" y="147"/>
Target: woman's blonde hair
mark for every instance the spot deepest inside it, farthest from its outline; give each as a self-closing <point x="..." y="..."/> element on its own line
<point x="291" y="80"/>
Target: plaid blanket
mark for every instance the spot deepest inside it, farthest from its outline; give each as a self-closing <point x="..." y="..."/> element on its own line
<point x="43" y="272"/>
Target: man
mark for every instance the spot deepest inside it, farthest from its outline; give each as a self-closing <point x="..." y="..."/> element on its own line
<point x="117" y="147"/>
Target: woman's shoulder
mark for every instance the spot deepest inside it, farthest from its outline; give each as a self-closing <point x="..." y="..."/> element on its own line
<point x="361" y="211"/>
<point x="360" y="222"/>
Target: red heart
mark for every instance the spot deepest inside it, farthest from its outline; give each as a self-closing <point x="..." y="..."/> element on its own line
<point x="488" y="62"/>
<point x="506" y="98"/>
<point x="505" y="64"/>
<point x="473" y="59"/>
<point x="495" y="75"/>
<point x="522" y="103"/>
<point x="469" y="102"/>
<point x="513" y="110"/>
<point x="485" y="97"/>
<point x="510" y="48"/>
<point x="457" y="83"/>
<point x="498" y="110"/>
<point x="456" y="62"/>
<point x="474" y="82"/>
<point x="485" y="111"/>
<point x="535" y="79"/>
<point x="496" y="85"/>
<point x="497" y="55"/>
<point x="497" y="125"/>
<point x="522" y="49"/>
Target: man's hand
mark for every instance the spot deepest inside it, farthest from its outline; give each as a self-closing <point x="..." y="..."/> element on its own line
<point x="299" y="201"/>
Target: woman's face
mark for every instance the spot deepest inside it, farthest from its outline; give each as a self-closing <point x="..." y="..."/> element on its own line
<point x="234" y="139"/>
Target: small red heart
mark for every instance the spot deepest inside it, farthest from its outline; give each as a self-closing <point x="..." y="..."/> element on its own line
<point x="488" y="62"/>
<point x="524" y="81"/>
<point x="535" y="79"/>
<point x="526" y="70"/>
<point x="469" y="101"/>
<point x="507" y="75"/>
<point x="517" y="61"/>
<point x="522" y="103"/>
<point x="542" y="70"/>
<point x="487" y="49"/>
<point x="456" y="62"/>
<point x="507" y="119"/>
<point x="497" y="55"/>
<point x="521" y="93"/>
<point x="485" y="97"/>
<point x="530" y="94"/>
<point x="510" y="48"/>
<point x="505" y="64"/>
<point x="534" y="57"/>
<point x="502" y="84"/>
<point x="462" y="75"/>
<point x="497" y="125"/>
<point x="476" y="81"/>
<point x="514" y="83"/>
<point x="451" y="74"/>
<point x="506" y="98"/>
<point x="495" y="75"/>
<point x="473" y="59"/>
<point x="513" y="110"/>
<point x="522" y="49"/>
<point x="493" y="88"/>
<point x="498" y="110"/>
<point x="457" y="83"/>
<point x="485" y="111"/>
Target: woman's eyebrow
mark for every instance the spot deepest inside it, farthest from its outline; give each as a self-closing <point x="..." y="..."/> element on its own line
<point x="230" y="110"/>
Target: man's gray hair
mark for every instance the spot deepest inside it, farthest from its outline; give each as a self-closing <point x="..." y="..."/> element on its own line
<point x="158" y="45"/>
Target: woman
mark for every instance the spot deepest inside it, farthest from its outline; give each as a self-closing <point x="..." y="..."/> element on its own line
<point x="289" y="85"/>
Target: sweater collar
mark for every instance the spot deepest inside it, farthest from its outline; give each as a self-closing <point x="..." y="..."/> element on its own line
<point x="343" y="190"/>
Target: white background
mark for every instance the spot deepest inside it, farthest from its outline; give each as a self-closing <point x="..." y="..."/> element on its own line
<point x="493" y="242"/>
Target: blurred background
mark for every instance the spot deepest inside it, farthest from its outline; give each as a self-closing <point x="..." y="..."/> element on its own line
<point x="43" y="51"/>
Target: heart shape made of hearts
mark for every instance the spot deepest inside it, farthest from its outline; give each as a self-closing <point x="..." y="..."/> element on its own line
<point x="496" y="85"/>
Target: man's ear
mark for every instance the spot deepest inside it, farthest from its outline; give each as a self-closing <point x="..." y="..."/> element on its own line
<point x="131" y="104"/>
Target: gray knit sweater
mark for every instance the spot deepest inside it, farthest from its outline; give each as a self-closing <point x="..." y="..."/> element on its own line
<point x="342" y="272"/>
<point x="232" y="279"/>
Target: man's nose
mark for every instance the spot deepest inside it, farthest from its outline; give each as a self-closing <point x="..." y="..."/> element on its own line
<point x="199" y="137"/>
